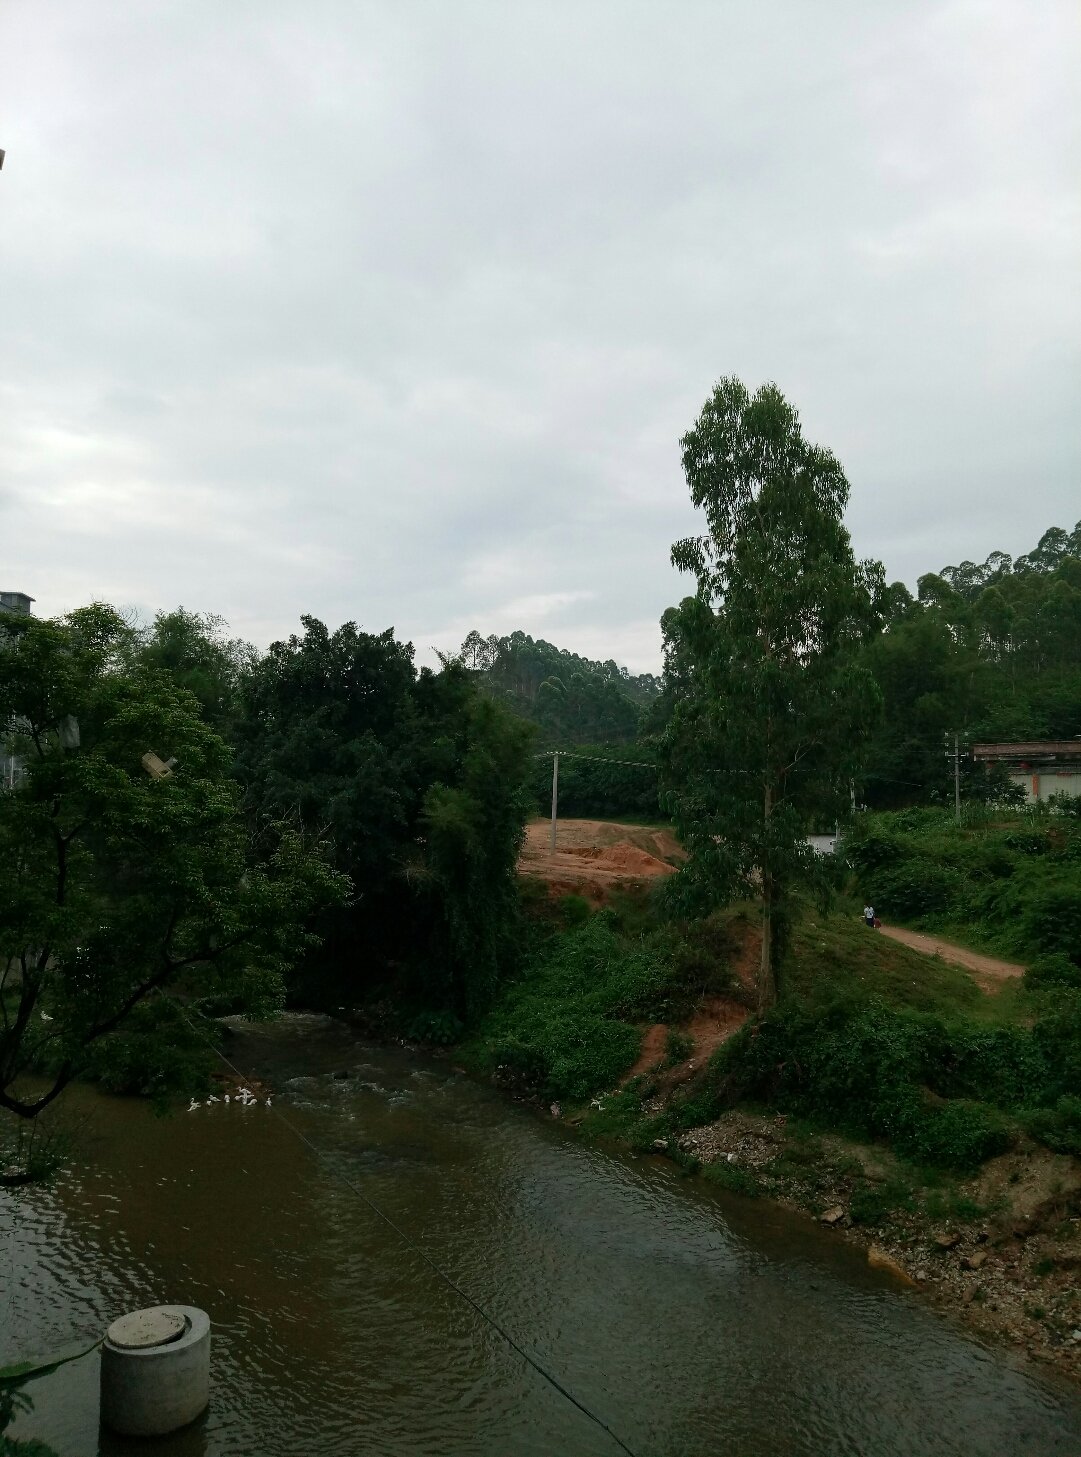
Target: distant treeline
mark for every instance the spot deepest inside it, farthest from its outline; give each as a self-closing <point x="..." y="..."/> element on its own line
<point x="990" y="652"/>
<point x="615" y="780"/>
<point x="570" y="699"/>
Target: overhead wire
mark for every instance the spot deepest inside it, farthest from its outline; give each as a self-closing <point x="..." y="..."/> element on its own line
<point x="595" y="758"/>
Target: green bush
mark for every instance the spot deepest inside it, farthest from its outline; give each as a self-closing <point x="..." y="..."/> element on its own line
<point x="1058" y="1036"/>
<point x="1004" y="1066"/>
<point x="872" y="1203"/>
<point x="569" y="1056"/>
<point x="1059" y="1127"/>
<point x="869" y="848"/>
<point x="917" y="887"/>
<point x="574" y="910"/>
<point x="958" y="1134"/>
<point x="678" y="1047"/>
<point x="1052" y="971"/>
<point x="440" y="1028"/>
<point x="1051" y="920"/>
<point x="992" y="861"/>
<point x="1026" y="842"/>
<point x="938" y="1090"/>
<point x="566" y="1027"/>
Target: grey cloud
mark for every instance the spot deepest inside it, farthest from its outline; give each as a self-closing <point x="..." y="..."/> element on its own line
<point x="397" y="311"/>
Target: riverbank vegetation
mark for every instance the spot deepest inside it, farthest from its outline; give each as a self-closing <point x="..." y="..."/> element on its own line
<point x="1005" y="880"/>
<point x="569" y="1025"/>
<point x="872" y="1040"/>
<point x="125" y="883"/>
<point x="887" y="1093"/>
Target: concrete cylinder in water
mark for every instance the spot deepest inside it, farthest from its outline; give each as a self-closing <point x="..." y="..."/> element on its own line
<point x="155" y="1370"/>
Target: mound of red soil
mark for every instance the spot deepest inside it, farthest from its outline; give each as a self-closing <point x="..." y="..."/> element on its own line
<point x="592" y="857"/>
<point x="622" y="856"/>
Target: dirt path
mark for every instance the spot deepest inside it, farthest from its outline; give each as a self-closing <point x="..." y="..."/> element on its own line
<point x="594" y="856"/>
<point x="713" y="1022"/>
<point x="988" y="971"/>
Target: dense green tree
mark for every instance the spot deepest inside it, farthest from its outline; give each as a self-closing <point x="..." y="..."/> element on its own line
<point x="770" y="702"/>
<point x="418" y="782"/>
<point x="615" y="779"/>
<point x="474" y="764"/>
<point x="193" y="649"/>
<point x="990" y="652"/>
<point x="119" y="885"/>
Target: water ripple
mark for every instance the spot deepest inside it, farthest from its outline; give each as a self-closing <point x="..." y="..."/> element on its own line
<point x="696" y="1323"/>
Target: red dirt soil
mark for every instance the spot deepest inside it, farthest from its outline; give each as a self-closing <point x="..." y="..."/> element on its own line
<point x="592" y="857"/>
<point x="713" y="1022"/>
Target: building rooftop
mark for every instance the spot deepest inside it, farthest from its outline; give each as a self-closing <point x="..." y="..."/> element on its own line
<point x="1031" y="749"/>
<point x="15" y="602"/>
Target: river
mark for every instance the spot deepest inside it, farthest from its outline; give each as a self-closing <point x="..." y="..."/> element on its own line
<point x="694" y="1322"/>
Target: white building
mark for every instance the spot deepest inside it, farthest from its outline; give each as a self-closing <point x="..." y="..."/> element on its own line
<point x="1040" y="769"/>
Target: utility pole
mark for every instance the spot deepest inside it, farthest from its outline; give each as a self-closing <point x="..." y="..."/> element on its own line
<point x="955" y="755"/>
<point x="956" y="780"/>
<point x="555" y="801"/>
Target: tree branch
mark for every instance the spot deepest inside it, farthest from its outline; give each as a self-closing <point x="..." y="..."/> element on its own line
<point x="31" y="1110"/>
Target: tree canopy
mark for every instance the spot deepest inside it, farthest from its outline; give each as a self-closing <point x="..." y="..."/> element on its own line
<point x="769" y="699"/>
<point x="418" y="781"/>
<point x="991" y="652"/>
<point x="120" y="886"/>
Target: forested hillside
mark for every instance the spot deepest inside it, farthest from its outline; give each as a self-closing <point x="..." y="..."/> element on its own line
<point x="571" y="699"/>
<point x="990" y="652"/>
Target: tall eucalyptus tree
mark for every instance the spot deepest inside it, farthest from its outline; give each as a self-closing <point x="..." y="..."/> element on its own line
<point x="770" y="700"/>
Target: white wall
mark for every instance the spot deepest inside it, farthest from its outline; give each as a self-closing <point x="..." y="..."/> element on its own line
<point x="1044" y="783"/>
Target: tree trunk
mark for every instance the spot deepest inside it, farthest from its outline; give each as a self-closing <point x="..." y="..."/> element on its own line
<point x="767" y="993"/>
<point x="767" y="988"/>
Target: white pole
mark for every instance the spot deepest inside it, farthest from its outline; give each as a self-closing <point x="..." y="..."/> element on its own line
<point x="956" y="779"/>
<point x="555" y="801"/>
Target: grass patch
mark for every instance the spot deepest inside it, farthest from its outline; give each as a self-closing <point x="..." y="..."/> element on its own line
<point x="733" y="1177"/>
<point x="619" y="1116"/>
<point x="1008" y="883"/>
<point x="874" y="1203"/>
<point x="568" y="1026"/>
<point x="838" y="955"/>
<point x="947" y="1205"/>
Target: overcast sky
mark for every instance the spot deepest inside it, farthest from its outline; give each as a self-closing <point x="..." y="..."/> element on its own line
<point x="396" y="312"/>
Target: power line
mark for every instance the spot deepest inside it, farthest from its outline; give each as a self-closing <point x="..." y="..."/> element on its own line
<point x="407" y="1240"/>
<point x="594" y="759"/>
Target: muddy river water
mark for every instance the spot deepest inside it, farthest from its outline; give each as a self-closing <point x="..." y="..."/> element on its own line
<point x="695" y="1323"/>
